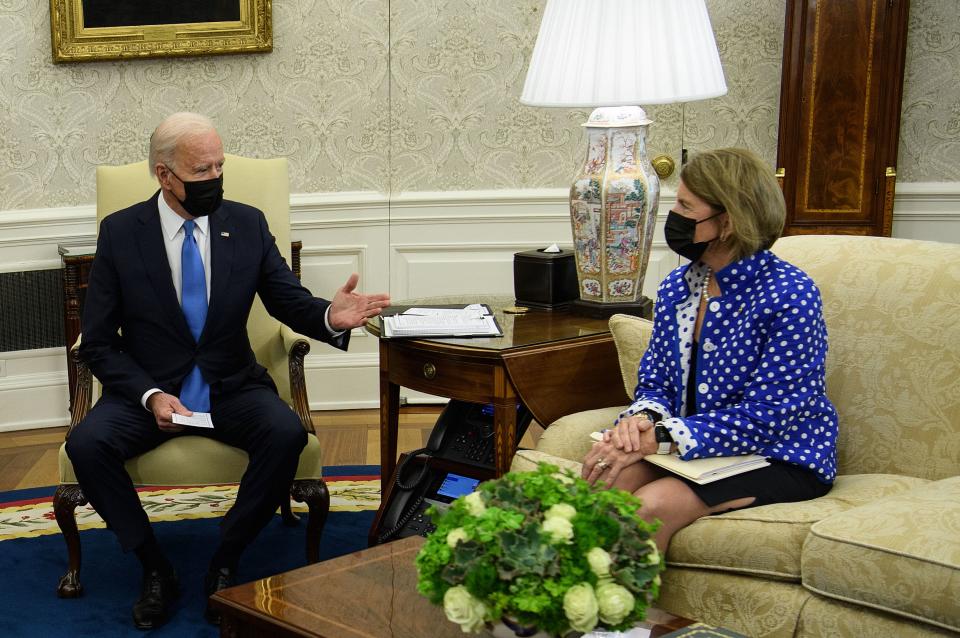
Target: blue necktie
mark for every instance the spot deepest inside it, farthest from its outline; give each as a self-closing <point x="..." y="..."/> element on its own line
<point x="195" y="393"/>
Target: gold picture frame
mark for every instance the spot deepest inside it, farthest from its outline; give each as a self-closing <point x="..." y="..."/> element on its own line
<point x="113" y="31"/>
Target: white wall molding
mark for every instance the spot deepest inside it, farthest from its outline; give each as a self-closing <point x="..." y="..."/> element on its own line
<point x="21" y="425"/>
<point x="31" y="381"/>
<point x="927" y="210"/>
<point x="341" y="360"/>
<point x="29" y="237"/>
<point x="33" y="389"/>
<point x="927" y="201"/>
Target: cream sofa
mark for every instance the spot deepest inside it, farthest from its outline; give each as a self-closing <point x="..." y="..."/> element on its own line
<point x="879" y="555"/>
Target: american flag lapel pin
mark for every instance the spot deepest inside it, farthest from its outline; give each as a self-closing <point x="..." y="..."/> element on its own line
<point x="224" y="233"/>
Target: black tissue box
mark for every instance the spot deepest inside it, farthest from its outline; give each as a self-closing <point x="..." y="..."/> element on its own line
<point x="545" y="280"/>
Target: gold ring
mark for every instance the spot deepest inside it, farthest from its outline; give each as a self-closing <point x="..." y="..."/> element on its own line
<point x="603" y="465"/>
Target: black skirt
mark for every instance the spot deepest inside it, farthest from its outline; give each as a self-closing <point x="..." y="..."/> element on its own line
<point x="777" y="483"/>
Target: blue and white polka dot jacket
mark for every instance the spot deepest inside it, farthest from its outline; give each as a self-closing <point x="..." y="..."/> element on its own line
<point x="760" y="369"/>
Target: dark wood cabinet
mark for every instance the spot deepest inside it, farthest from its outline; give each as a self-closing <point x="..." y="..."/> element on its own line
<point x="840" y="114"/>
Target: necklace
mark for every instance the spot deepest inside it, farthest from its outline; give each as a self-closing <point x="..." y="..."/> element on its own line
<point x="705" y="286"/>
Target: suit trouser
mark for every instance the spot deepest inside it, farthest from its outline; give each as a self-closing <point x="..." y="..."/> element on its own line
<point x="253" y="419"/>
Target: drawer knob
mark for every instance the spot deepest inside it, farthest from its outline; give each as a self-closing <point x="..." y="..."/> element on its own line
<point x="429" y="370"/>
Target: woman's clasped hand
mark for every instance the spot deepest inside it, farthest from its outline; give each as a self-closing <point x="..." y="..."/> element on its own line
<point x="626" y="443"/>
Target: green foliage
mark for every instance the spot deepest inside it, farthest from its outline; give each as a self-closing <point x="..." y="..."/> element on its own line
<point x="505" y="559"/>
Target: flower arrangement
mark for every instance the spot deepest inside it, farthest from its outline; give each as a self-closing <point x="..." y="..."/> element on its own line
<point x="544" y="549"/>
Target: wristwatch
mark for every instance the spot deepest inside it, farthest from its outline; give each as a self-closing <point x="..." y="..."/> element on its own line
<point x="664" y="440"/>
<point x="649" y="415"/>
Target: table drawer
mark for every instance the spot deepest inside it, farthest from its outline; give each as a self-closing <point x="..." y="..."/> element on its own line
<point x="444" y="376"/>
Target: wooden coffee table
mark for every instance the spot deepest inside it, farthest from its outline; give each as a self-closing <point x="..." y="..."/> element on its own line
<point x="369" y="594"/>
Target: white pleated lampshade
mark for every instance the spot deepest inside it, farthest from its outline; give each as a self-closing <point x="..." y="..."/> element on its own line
<point x="622" y="53"/>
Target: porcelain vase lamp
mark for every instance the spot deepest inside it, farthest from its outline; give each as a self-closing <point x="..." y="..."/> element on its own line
<point x="613" y="212"/>
<point x="617" y="54"/>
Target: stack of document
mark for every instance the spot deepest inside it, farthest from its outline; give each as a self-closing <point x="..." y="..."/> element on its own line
<point x="708" y="470"/>
<point x="474" y="320"/>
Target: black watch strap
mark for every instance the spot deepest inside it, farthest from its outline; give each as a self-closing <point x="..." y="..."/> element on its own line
<point x="664" y="440"/>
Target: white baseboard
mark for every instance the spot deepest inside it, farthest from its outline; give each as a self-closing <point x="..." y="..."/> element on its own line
<point x="408" y="244"/>
<point x="33" y="389"/>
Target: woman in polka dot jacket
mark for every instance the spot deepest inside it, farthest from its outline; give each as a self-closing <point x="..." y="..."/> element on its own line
<point x="736" y="361"/>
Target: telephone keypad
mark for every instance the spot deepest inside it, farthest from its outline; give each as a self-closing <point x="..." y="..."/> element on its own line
<point x="474" y="447"/>
<point x="419" y="524"/>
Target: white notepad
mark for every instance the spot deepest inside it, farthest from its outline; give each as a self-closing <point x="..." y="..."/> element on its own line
<point x="198" y="420"/>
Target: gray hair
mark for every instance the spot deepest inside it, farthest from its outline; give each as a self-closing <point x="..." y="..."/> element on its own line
<point x="169" y="133"/>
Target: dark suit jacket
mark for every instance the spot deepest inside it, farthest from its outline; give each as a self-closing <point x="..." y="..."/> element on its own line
<point x="135" y="336"/>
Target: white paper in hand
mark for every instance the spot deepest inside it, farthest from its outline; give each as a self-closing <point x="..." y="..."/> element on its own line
<point x="198" y="420"/>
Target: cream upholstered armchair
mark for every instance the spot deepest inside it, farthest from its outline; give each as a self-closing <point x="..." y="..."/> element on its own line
<point x="195" y="460"/>
<point x="878" y="555"/>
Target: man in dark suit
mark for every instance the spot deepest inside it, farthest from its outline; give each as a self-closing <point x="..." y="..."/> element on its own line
<point x="164" y="330"/>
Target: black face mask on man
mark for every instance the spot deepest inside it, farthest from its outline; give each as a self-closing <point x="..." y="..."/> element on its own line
<point x="203" y="197"/>
<point x="679" y="232"/>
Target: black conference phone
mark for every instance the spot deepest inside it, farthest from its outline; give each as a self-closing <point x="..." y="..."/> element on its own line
<point x="462" y="438"/>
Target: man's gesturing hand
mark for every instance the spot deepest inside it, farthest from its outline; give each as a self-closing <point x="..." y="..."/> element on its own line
<point x="351" y="310"/>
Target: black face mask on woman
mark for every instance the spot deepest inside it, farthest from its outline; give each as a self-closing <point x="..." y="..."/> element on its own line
<point x="679" y="232"/>
<point x="203" y="197"/>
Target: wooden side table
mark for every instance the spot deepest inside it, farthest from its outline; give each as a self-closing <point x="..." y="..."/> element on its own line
<point x="556" y="363"/>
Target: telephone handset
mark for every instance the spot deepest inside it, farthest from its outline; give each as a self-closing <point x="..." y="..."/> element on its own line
<point x="463" y="434"/>
<point x="407" y="512"/>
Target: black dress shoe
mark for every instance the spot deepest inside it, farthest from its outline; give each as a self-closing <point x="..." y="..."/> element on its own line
<point x="158" y="593"/>
<point x="217" y="579"/>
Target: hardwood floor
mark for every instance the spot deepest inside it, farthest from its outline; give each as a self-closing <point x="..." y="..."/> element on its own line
<point x="348" y="437"/>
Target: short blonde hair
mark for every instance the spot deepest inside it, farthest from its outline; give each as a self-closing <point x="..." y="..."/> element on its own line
<point x="737" y="181"/>
<point x="170" y="132"/>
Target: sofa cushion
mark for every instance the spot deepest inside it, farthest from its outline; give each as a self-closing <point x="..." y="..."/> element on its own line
<point x="767" y="540"/>
<point x="755" y="607"/>
<point x="527" y="461"/>
<point x="196" y="460"/>
<point x="569" y="436"/>
<point x="631" y="336"/>
<point x="900" y="554"/>
<point x="761" y="541"/>
<point x="827" y="617"/>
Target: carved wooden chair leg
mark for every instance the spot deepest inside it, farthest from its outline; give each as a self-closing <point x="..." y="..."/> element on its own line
<point x="314" y="493"/>
<point x="289" y="517"/>
<point x="65" y="501"/>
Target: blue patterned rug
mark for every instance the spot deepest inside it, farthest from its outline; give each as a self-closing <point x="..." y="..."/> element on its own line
<point x="33" y="555"/>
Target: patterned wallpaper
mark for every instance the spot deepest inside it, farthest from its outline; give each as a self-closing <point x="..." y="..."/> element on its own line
<point x="401" y="95"/>
<point x="930" y="115"/>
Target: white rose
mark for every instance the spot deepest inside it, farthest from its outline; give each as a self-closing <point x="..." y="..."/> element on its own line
<point x="463" y="609"/>
<point x="456" y="535"/>
<point x="561" y="510"/>
<point x="653" y="558"/>
<point x="563" y="478"/>
<point x="615" y="602"/>
<point x="599" y="561"/>
<point x="560" y="530"/>
<point x="475" y="503"/>
<point x="580" y="607"/>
